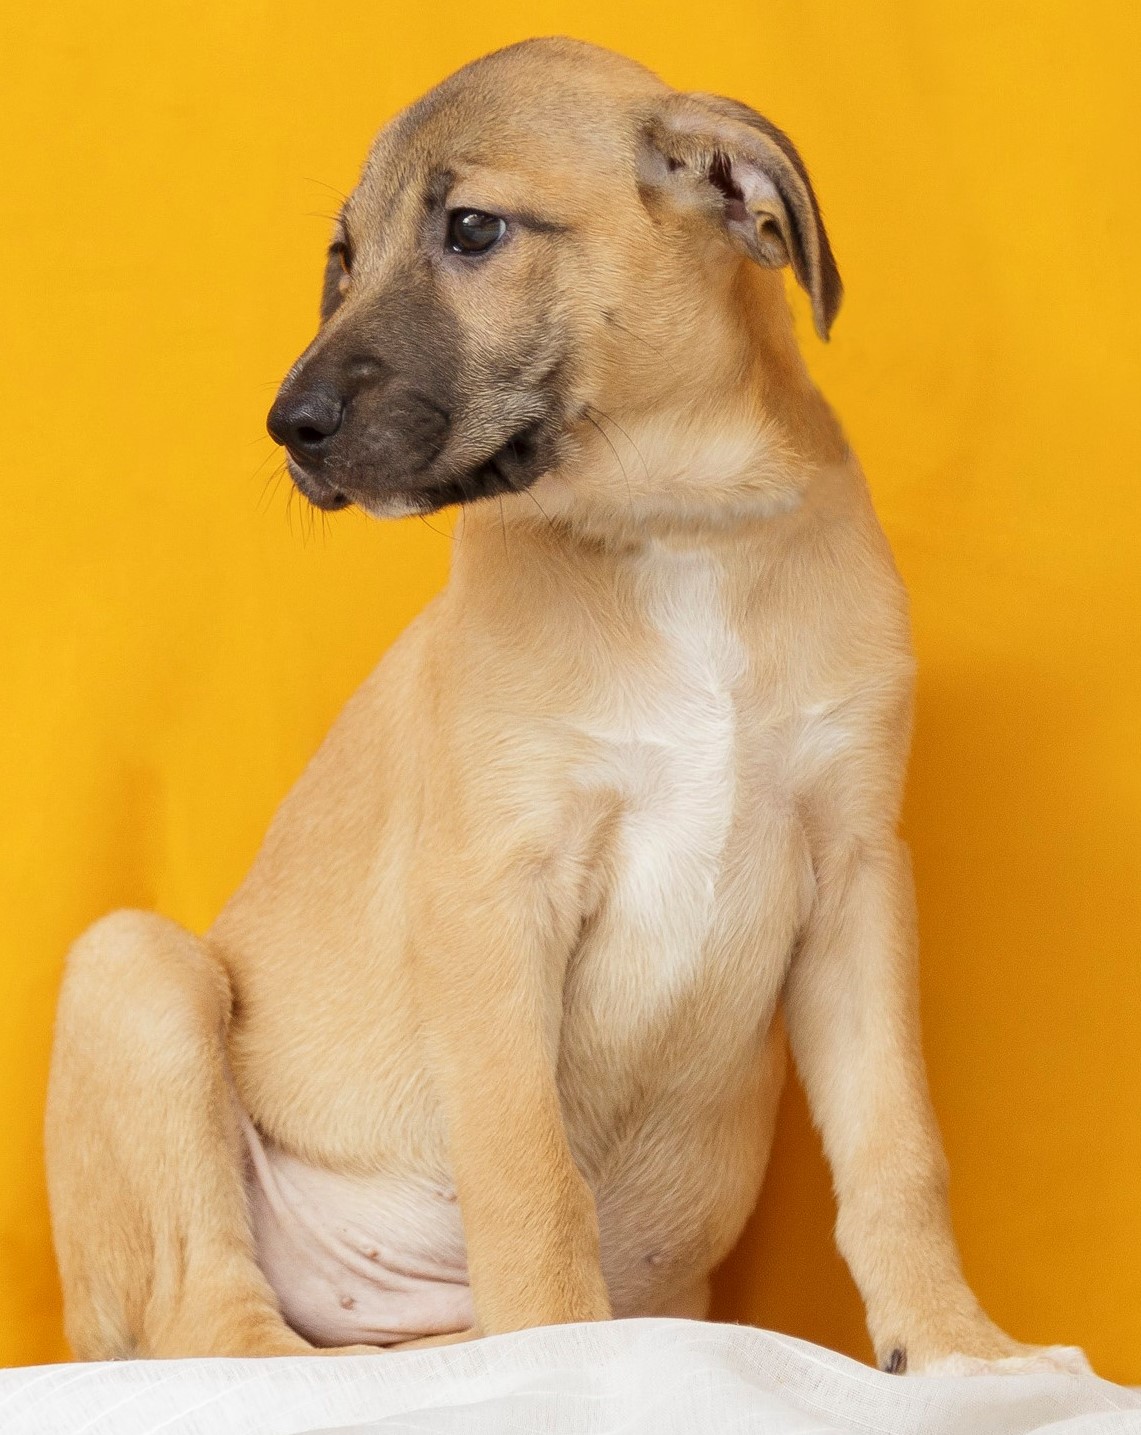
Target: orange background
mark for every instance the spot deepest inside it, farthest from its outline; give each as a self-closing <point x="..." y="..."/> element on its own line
<point x="173" y="649"/>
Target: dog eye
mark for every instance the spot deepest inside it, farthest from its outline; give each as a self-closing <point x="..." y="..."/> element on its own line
<point x="343" y="255"/>
<point x="470" y="231"/>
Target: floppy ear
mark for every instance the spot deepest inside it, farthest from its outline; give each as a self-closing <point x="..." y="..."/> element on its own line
<point x="729" y="159"/>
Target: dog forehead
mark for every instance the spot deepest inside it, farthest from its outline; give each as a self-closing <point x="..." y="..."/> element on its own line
<point x="537" y="108"/>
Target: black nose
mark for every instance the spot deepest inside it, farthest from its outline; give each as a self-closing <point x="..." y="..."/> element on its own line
<point x="306" y="422"/>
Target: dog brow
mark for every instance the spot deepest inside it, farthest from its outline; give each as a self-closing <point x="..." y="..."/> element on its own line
<point x="440" y="181"/>
<point x="534" y="221"/>
<point x="436" y="190"/>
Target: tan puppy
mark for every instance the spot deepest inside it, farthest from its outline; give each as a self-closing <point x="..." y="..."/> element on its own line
<point x="489" y="1036"/>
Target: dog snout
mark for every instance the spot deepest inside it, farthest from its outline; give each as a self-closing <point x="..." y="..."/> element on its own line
<point x="306" y="421"/>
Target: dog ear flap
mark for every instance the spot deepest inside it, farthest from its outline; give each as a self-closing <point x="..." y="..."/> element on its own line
<point x="729" y="159"/>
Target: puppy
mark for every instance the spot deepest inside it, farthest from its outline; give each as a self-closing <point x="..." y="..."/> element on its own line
<point x="488" y="1037"/>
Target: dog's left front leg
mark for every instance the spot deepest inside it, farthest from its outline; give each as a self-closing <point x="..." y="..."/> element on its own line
<point x="851" y="1002"/>
<point x="490" y="960"/>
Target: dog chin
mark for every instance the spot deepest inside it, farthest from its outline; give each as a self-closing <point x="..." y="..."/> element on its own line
<point x="395" y="505"/>
<point x="448" y="493"/>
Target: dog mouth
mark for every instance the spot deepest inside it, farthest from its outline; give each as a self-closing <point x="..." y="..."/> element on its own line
<point x="513" y="467"/>
<point x="324" y="496"/>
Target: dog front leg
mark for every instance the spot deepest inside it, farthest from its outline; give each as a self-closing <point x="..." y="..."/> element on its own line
<point x="489" y="974"/>
<point x="852" y="1009"/>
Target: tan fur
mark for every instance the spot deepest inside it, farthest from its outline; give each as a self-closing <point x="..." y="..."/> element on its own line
<point x="446" y="963"/>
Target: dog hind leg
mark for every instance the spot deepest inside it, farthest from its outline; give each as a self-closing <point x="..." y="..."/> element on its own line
<point x="145" y="1156"/>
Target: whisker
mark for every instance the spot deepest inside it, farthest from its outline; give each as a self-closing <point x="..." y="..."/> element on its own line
<point x="617" y="456"/>
<point x="331" y="187"/>
<point x="269" y="488"/>
<point x="264" y="460"/>
<point x="610" y="319"/>
<point x="438" y="532"/>
<point x="626" y="436"/>
<point x="538" y="505"/>
<point x="274" y="469"/>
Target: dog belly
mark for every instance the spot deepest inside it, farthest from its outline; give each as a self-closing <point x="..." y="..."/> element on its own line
<point x="357" y="1260"/>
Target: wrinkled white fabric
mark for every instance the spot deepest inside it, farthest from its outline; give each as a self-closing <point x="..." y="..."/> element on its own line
<point x="636" y="1377"/>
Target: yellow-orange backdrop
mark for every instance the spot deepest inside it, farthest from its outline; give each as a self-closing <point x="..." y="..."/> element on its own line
<point x="173" y="650"/>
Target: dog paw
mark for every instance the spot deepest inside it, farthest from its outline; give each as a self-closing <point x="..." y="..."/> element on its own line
<point x="1030" y="1360"/>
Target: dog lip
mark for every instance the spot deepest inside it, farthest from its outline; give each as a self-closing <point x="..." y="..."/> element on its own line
<point x="299" y="463"/>
<point x="330" y="503"/>
<point x="320" y="494"/>
<point x="492" y="476"/>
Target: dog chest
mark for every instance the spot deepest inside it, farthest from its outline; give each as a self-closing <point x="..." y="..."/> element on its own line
<point x="665" y="738"/>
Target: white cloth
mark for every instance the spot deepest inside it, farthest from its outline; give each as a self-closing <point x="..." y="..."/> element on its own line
<point x="634" y="1377"/>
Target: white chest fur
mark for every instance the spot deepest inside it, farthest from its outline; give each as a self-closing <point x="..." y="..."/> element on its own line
<point x="666" y="734"/>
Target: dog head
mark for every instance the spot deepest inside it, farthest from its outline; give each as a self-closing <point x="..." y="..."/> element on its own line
<point x="549" y="240"/>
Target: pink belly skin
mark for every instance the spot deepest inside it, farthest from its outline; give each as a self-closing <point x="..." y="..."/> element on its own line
<point x="357" y="1260"/>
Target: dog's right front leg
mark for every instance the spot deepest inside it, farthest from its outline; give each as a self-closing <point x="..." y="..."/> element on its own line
<point x="490" y="966"/>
